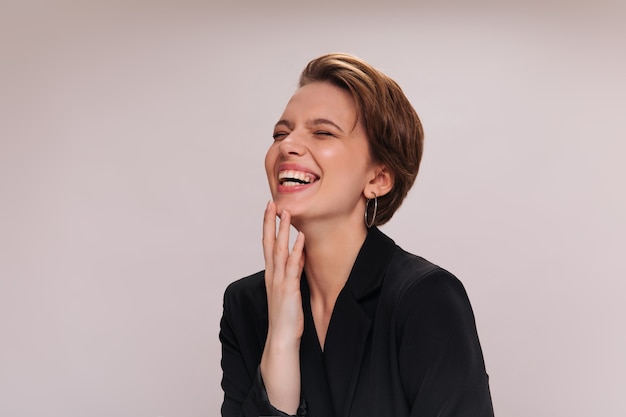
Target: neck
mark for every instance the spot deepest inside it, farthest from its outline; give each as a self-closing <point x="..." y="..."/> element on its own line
<point x="331" y="251"/>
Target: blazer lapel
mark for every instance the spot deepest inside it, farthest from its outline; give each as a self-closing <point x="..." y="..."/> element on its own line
<point x="351" y="321"/>
<point x="315" y="385"/>
<point x="346" y="340"/>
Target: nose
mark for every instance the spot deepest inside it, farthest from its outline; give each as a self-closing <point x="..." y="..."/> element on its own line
<point x="292" y="144"/>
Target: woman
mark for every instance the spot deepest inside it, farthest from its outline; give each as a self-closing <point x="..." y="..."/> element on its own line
<point x="346" y="323"/>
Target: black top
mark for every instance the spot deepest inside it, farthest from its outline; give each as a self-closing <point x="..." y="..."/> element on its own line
<point x="401" y="342"/>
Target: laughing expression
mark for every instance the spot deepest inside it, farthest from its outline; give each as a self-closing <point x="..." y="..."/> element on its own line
<point x="319" y="163"/>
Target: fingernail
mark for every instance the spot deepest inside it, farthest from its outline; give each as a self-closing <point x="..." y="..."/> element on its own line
<point x="282" y="214"/>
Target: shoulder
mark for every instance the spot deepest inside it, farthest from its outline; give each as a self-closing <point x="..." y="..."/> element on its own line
<point x="433" y="331"/>
<point x="408" y="272"/>
<point x="415" y="285"/>
<point x="246" y="292"/>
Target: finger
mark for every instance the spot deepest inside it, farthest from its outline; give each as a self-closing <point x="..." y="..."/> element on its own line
<point x="281" y="246"/>
<point x="269" y="236"/>
<point x="295" y="262"/>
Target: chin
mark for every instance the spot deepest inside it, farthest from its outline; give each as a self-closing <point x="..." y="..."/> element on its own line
<point x="293" y="209"/>
<point x="286" y="205"/>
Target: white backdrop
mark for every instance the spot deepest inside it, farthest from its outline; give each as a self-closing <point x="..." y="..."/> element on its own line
<point x="132" y="136"/>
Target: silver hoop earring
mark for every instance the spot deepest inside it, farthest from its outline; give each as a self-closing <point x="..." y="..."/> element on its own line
<point x="369" y="224"/>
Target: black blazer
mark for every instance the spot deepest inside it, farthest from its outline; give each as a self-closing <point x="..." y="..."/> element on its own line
<point x="401" y="342"/>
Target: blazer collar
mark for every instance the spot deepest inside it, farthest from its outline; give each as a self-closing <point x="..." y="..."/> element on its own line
<point x="331" y="378"/>
<point x="369" y="268"/>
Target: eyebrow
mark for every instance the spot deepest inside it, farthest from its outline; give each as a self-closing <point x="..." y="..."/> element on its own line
<point x="283" y="122"/>
<point x="313" y="122"/>
<point x="320" y="121"/>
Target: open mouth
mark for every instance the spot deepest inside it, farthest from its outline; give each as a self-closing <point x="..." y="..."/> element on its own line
<point x="292" y="178"/>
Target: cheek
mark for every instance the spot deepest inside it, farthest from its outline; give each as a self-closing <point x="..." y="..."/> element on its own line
<point x="270" y="159"/>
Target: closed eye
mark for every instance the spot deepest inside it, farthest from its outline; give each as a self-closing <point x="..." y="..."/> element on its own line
<point x="323" y="133"/>
<point x="279" y="135"/>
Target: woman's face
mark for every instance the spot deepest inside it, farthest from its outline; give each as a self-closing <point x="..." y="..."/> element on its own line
<point x="319" y="164"/>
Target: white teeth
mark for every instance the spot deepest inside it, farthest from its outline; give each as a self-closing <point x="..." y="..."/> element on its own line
<point x="292" y="177"/>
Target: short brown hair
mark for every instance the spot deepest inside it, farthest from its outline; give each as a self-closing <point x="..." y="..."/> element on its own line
<point x="392" y="126"/>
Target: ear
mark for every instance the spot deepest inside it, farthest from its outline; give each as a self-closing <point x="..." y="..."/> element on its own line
<point x="381" y="182"/>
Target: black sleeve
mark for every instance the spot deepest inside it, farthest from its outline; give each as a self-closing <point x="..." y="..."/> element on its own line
<point x="441" y="362"/>
<point x="244" y="391"/>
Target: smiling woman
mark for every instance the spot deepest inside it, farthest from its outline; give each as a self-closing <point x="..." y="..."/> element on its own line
<point x="318" y="139"/>
<point x="347" y="323"/>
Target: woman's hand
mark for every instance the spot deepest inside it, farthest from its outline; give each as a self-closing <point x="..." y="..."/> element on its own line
<point x="282" y="278"/>
<point x="280" y="363"/>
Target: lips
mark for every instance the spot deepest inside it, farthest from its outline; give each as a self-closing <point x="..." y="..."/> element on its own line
<point x="296" y="176"/>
